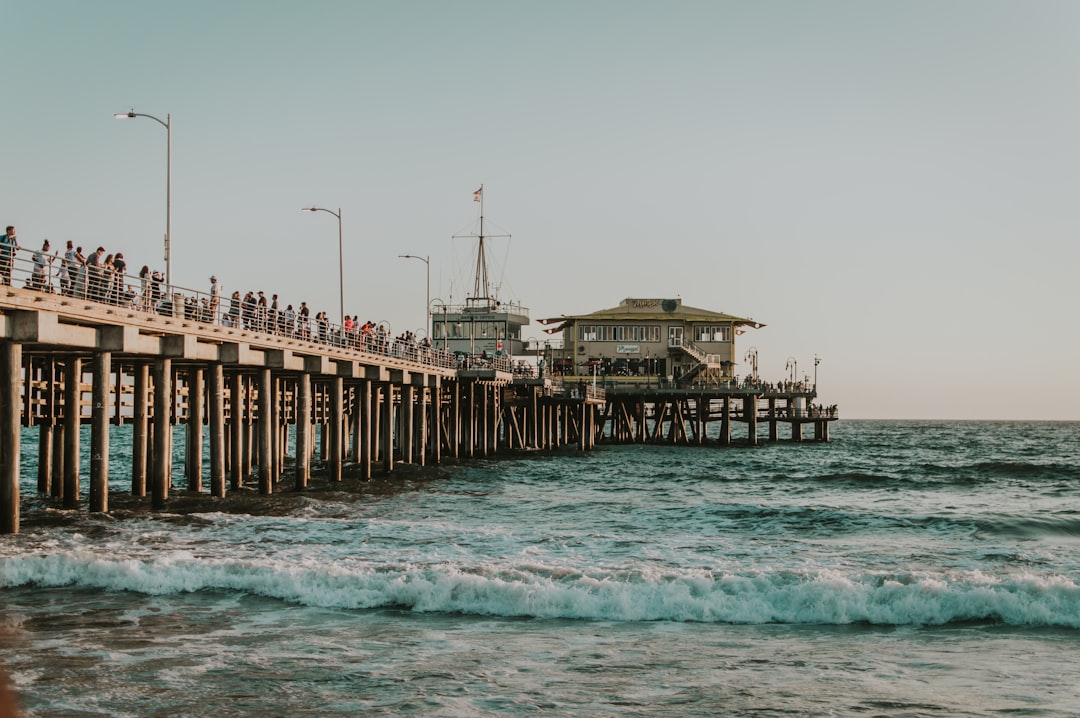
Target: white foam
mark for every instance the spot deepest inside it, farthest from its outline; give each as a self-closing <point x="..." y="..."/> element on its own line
<point x="818" y="596"/>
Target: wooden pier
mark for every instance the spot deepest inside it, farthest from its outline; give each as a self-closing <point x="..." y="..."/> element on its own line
<point x="67" y="361"/>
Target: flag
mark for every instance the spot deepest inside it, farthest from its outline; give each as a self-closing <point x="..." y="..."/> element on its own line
<point x="477" y="193"/>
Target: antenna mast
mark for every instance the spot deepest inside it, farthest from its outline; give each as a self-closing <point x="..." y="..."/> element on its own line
<point x="481" y="298"/>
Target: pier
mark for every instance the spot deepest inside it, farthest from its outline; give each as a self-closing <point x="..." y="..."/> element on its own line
<point x="75" y="358"/>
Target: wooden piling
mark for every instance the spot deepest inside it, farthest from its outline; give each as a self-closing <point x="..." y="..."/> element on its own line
<point x="215" y="397"/>
<point x="99" y="433"/>
<point x="266" y="428"/>
<point x="139" y="434"/>
<point x="194" y="429"/>
<point x="72" y="426"/>
<point x="159" y="475"/>
<point x="10" y="436"/>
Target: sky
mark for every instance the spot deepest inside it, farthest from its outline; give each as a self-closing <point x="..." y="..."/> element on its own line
<point x="891" y="187"/>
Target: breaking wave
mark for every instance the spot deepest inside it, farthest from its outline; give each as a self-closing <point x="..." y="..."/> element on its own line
<point x="822" y="596"/>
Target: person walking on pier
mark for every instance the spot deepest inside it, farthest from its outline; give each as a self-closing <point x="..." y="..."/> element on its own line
<point x="144" y="289"/>
<point x="96" y="273"/>
<point x="78" y="277"/>
<point x="67" y="269"/>
<point x="42" y="273"/>
<point x="118" y="290"/>
<point x="215" y="299"/>
<point x="8" y="245"/>
<point x="303" y="321"/>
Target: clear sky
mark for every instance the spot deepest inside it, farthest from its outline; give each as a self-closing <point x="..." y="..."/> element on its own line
<point x="894" y="187"/>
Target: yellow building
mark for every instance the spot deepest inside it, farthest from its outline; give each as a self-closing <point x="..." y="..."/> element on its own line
<point x="650" y="340"/>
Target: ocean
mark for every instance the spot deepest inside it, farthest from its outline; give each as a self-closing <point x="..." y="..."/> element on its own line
<point x="903" y="569"/>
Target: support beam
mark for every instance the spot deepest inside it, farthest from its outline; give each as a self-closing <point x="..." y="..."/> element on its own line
<point x="10" y="433"/>
<point x="159" y="475"/>
<point x="215" y="399"/>
<point x="72" y="425"/>
<point x="139" y="435"/>
<point x="99" y="433"/>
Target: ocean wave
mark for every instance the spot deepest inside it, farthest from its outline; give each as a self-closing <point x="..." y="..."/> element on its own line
<point x="967" y="473"/>
<point x="822" y="597"/>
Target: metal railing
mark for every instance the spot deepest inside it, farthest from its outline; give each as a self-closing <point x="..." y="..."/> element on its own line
<point x="53" y="274"/>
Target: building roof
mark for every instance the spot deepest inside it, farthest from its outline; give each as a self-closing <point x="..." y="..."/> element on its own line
<point x="637" y="309"/>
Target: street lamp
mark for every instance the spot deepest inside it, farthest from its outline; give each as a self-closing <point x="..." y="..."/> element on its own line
<point x="793" y="367"/>
<point x="427" y="261"/>
<point x="751" y="356"/>
<point x="536" y="347"/>
<point x="817" y="360"/>
<point x="167" y="124"/>
<point x="445" y="333"/>
<point x="341" y="256"/>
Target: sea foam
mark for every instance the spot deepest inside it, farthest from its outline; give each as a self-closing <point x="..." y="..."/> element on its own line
<point x="813" y="596"/>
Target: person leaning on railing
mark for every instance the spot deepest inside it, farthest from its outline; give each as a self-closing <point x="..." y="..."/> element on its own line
<point x="8" y="245"/>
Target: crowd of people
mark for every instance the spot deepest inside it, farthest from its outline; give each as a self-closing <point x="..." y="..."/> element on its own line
<point x="97" y="275"/>
<point x="102" y="277"/>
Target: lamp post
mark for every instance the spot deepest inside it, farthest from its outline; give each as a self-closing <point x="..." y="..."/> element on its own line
<point x="751" y="356"/>
<point x="167" y="124"/>
<point x="793" y="367"/>
<point x="817" y="360"/>
<point x="445" y="334"/>
<point x="426" y="261"/>
<point x="341" y="256"/>
<point x="536" y="347"/>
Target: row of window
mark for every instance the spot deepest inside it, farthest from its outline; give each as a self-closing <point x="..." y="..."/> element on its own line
<point x="460" y="330"/>
<point x="619" y="333"/>
<point x="648" y="333"/>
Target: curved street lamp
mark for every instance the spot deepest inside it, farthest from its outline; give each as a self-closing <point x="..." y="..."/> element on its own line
<point x="167" y="124"/>
<point x="427" y="305"/>
<point x="793" y="367"/>
<point x="751" y="356"/>
<point x="445" y="334"/>
<point x="341" y="259"/>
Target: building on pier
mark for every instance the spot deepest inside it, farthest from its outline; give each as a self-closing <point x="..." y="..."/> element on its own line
<point x="483" y="325"/>
<point x="659" y="341"/>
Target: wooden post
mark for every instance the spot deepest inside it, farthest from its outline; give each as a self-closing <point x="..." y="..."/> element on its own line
<point x="366" y="424"/>
<point x="139" y="436"/>
<point x="455" y="421"/>
<point x="388" y="427"/>
<point x="99" y="433"/>
<point x="725" y="422"/>
<point x="159" y="476"/>
<point x="248" y="392"/>
<point x="10" y="434"/>
<point x="194" y="429"/>
<point x="354" y="422"/>
<point x="236" y="427"/>
<point x="303" y="431"/>
<point x="56" y="481"/>
<point x="216" y="407"/>
<point x="265" y="445"/>
<point x="435" y="433"/>
<point x="72" y="424"/>
<point x="336" y="446"/>
<point x="407" y="431"/>
<point x="276" y="460"/>
<point x="773" y="433"/>
<point x="750" y="412"/>
<point x="45" y="454"/>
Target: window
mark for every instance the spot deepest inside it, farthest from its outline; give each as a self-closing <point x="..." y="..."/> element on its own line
<point x="712" y="333"/>
<point x="619" y="333"/>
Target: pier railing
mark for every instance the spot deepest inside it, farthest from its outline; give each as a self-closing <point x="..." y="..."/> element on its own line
<point x="54" y="275"/>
